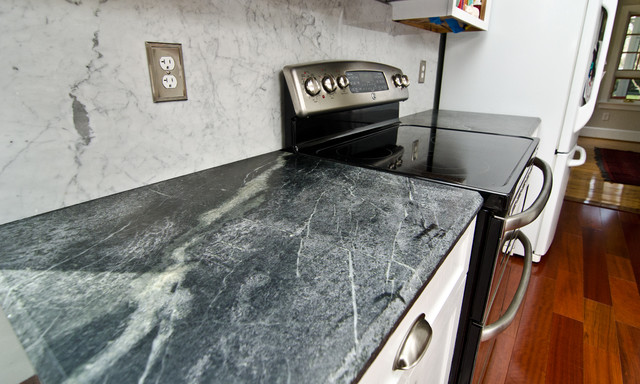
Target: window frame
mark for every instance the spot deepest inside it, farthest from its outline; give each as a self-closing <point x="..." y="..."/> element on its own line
<point x="621" y="22"/>
<point x="625" y="74"/>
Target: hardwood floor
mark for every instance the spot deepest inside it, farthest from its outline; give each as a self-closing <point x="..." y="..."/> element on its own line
<point x="580" y="322"/>
<point x="586" y="184"/>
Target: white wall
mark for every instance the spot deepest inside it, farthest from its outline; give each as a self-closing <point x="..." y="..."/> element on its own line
<point x="76" y="116"/>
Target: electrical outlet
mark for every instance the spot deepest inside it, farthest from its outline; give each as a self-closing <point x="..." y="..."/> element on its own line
<point x="605" y="116"/>
<point x="423" y="71"/>
<point x="169" y="81"/>
<point x="167" y="63"/>
<point x="166" y="71"/>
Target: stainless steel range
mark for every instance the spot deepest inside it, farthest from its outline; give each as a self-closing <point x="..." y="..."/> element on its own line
<point x="348" y="111"/>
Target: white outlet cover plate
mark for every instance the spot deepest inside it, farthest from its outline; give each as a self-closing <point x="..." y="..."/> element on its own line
<point x="423" y="71"/>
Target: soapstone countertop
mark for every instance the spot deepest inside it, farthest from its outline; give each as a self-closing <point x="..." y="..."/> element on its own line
<point x="511" y="125"/>
<point x="276" y="269"/>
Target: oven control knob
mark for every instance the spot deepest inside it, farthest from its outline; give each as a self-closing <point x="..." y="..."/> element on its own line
<point x="397" y="80"/>
<point x="312" y="86"/>
<point x="329" y="83"/>
<point x="405" y="81"/>
<point x="343" y="82"/>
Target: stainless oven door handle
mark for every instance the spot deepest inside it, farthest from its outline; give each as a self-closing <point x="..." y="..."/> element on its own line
<point x="521" y="219"/>
<point x="492" y="330"/>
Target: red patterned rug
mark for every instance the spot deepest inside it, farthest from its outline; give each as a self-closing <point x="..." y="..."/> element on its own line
<point x="621" y="167"/>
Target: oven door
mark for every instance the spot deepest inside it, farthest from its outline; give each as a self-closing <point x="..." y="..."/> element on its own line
<point x="502" y="304"/>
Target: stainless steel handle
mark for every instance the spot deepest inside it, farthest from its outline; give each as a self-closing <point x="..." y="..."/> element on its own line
<point x="521" y="219"/>
<point x="414" y="345"/>
<point x="492" y="330"/>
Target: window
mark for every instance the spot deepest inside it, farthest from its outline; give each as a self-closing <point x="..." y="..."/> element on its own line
<point x="627" y="76"/>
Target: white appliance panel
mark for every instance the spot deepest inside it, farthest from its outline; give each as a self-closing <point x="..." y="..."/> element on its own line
<point x="579" y="113"/>
<point x="523" y="65"/>
<point x="533" y="62"/>
<point x="561" y="170"/>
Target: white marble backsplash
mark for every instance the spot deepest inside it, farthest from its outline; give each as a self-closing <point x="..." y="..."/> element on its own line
<point x="77" y="119"/>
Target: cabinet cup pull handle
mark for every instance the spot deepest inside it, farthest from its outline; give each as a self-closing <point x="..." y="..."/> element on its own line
<point x="414" y="345"/>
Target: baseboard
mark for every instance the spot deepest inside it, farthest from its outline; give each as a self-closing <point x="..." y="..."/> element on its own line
<point x="611" y="134"/>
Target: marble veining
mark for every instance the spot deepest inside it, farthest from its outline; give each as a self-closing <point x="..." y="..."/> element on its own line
<point x="77" y="117"/>
<point x="276" y="269"/>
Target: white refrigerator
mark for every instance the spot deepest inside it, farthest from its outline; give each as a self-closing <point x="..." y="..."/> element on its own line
<point x="544" y="59"/>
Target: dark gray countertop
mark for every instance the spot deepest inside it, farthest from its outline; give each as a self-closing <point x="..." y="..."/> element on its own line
<point x="279" y="268"/>
<point x="480" y="122"/>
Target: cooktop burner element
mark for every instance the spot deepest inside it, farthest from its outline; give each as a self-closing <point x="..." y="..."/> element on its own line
<point x="480" y="160"/>
<point x="389" y="156"/>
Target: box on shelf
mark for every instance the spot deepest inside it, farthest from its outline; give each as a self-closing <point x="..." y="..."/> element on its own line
<point x="443" y="16"/>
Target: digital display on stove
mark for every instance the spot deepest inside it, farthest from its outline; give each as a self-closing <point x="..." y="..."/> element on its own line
<point x="366" y="81"/>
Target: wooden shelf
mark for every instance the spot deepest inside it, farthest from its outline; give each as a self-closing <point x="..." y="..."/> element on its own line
<point x="441" y="16"/>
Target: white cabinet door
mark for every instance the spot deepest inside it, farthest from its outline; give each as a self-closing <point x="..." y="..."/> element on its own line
<point x="435" y="365"/>
<point x="440" y="303"/>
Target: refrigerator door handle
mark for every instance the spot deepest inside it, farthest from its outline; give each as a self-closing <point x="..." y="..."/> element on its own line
<point x="523" y="218"/>
<point x="494" y="329"/>
<point x="580" y="160"/>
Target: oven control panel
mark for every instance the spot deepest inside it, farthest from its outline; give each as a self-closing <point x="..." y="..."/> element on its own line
<point x="330" y="86"/>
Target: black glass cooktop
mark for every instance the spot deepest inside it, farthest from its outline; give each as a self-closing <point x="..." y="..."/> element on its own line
<point x="484" y="162"/>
